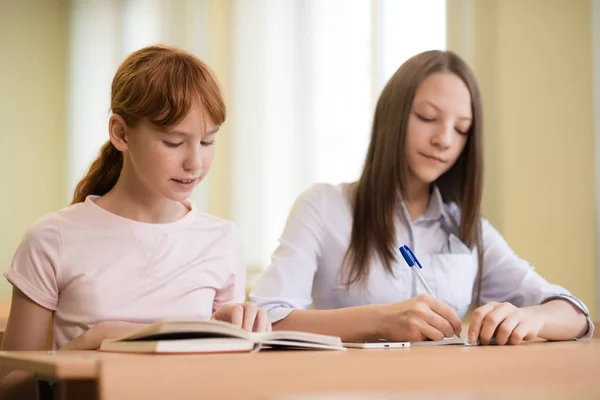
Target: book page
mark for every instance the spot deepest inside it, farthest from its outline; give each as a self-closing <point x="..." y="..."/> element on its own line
<point x="170" y="330"/>
<point x="297" y="336"/>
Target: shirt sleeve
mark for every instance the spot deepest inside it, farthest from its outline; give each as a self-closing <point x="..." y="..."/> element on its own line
<point x="508" y="278"/>
<point x="234" y="289"/>
<point x="35" y="266"/>
<point x="288" y="281"/>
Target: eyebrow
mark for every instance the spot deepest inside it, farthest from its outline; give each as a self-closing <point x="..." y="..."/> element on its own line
<point x="437" y="108"/>
<point x="177" y="132"/>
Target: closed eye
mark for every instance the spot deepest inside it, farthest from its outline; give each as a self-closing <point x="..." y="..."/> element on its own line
<point x="171" y="144"/>
<point x="209" y="143"/>
<point x="422" y="118"/>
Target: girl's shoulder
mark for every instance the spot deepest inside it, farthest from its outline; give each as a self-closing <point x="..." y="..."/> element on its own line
<point x="45" y="235"/>
<point x="49" y="224"/>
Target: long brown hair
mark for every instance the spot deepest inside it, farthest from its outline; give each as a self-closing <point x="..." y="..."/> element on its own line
<point x="385" y="174"/>
<point x="159" y="83"/>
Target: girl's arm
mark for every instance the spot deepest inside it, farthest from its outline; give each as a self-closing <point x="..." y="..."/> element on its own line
<point x="562" y="320"/>
<point x="507" y="324"/>
<point x="27" y="329"/>
<point x="93" y="337"/>
<point x="419" y="318"/>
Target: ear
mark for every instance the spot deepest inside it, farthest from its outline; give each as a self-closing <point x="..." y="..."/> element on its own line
<point x="118" y="131"/>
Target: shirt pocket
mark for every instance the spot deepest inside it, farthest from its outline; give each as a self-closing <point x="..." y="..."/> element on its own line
<point x="452" y="278"/>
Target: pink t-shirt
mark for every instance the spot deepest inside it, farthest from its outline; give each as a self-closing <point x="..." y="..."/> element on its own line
<point x="89" y="266"/>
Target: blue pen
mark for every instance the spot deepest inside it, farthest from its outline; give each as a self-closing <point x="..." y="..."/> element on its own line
<point x="411" y="260"/>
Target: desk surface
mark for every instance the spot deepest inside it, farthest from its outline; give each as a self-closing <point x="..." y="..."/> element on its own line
<point x="62" y="365"/>
<point x="562" y="366"/>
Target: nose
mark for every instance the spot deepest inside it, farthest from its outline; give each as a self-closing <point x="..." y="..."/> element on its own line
<point x="193" y="159"/>
<point x="443" y="135"/>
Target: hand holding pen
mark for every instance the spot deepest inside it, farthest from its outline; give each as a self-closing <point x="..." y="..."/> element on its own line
<point x="416" y="267"/>
<point x="422" y="317"/>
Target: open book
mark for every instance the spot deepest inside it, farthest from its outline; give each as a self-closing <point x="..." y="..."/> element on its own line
<point x="213" y="337"/>
<point x="446" y="341"/>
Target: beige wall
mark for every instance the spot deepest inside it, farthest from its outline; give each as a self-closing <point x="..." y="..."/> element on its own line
<point x="33" y="71"/>
<point x="220" y="60"/>
<point x="534" y="62"/>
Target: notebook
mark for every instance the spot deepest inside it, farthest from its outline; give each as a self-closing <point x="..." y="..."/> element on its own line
<point x="457" y="341"/>
<point x="213" y="337"/>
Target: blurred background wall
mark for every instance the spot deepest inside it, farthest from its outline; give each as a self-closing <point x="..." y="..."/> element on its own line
<point x="33" y="141"/>
<point x="301" y="78"/>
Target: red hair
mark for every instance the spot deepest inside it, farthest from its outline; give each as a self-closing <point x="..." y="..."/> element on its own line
<point x="159" y="83"/>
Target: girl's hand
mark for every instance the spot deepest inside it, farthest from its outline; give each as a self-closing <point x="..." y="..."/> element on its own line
<point x="504" y="322"/>
<point x="420" y="318"/>
<point x="93" y="337"/>
<point x="244" y="315"/>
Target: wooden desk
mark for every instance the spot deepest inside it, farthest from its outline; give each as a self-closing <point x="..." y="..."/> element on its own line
<point x="77" y="371"/>
<point x="549" y="367"/>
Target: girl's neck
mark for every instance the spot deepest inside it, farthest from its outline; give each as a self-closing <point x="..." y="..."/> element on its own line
<point x="417" y="199"/>
<point x="129" y="200"/>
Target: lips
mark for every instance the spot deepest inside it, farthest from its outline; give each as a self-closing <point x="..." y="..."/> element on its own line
<point x="434" y="158"/>
<point x="189" y="181"/>
<point x="185" y="180"/>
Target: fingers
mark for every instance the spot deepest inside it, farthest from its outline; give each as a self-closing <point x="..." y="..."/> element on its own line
<point x="493" y="320"/>
<point x="520" y="333"/>
<point x="497" y="320"/>
<point x="505" y="330"/>
<point x="246" y="316"/>
<point x="447" y="314"/>
<point x="423" y="322"/>
<point x="507" y="323"/>
<point x="261" y="324"/>
<point x="430" y="332"/>
<point x="417" y="329"/>
<point x="237" y="315"/>
<point x="250" y="312"/>
<point x="439" y="323"/>
<point x="477" y="320"/>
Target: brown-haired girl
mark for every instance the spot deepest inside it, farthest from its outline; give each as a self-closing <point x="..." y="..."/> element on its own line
<point x="421" y="186"/>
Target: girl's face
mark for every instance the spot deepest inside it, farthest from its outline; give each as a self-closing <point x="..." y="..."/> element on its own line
<point x="437" y="126"/>
<point x="171" y="161"/>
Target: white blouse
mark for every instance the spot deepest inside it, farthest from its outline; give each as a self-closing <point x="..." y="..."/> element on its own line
<point x="306" y="267"/>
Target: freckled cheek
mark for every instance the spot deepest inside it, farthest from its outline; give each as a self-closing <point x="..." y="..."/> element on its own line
<point x="152" y="156"/>
<point x="164" y="162"/>
<point x="170" y="159"/>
